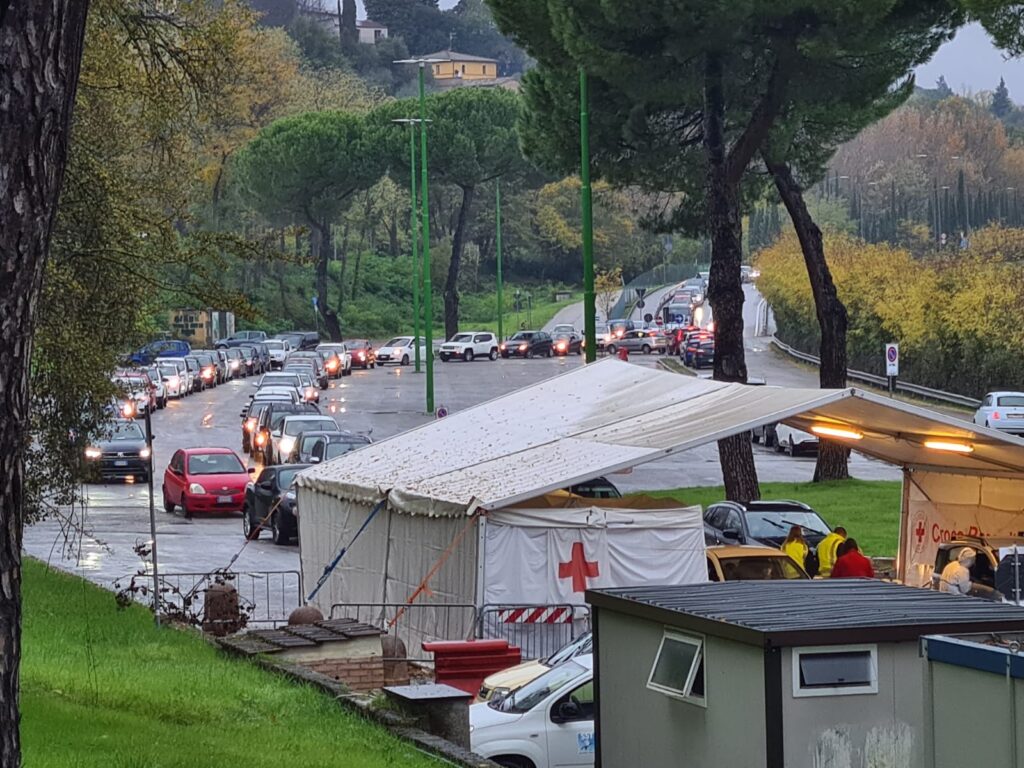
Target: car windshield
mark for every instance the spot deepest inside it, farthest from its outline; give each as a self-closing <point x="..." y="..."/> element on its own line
<point x="759" y="568"/>
<point x="132" y="385"/>
<point x="214" y="464"/>
<point x="338" y="449"/>
<point x="280" y="415"/>
<point x="126" y="430"/>
<point x="358" y="344"/>
<point x="295" y="426"/>
<point x="279" y="380"/>
<point x="564" y="329"/>
<point x="1011" y="401"/>
<point x="400" y="341"/>
<point x="582" y="644"/>
<point x="463" y="338"/>
<point x="765" y="524"/>
<point x="275" y="344"/>
<point x="533" y="693"/>
<point x="523" y="336"/>
<point x="168" y="370"/>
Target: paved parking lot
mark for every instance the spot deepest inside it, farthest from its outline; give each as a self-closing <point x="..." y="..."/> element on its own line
<point x="115" y="517"/>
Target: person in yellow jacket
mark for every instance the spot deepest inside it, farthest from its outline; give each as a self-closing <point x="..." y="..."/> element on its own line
<point x="795" y="546"/>
<point x="827" y="551"/>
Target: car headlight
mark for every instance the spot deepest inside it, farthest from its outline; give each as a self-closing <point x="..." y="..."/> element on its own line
<point x="286" y="444"/>
<point x="503" y="347"/>
<point x="145" y="452"/>
<point x="234" y="363"/>
<point x="196" y="488"/>
<point x="93" y="453"/>
<point x="522" y="347"/>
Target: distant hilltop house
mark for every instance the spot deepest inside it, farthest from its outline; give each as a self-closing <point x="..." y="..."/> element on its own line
<point x="460" y="69"/>
<point x="369" y="31"/>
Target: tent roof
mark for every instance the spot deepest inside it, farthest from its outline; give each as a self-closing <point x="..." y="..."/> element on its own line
<point x="610" y="416"/>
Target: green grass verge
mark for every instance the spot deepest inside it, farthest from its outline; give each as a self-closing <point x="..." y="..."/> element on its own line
<point x="868" y="509"/>
<point x="479" y="313"/>
<point x="103" y="687"/>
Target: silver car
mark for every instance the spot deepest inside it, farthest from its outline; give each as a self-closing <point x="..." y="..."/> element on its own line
<point x="646" y="341"/>
<point x="1003" y="411"/>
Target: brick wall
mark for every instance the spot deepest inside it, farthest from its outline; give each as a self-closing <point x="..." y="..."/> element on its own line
<point x="357" y="674"/>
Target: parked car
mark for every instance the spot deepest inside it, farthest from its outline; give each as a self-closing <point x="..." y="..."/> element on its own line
<point x="160" y="348"/>
<point x="305" y="448"/>
<point x="171" y="376"/>
<point x="313" y="359"/>
<point x="236" y="363"/>
<point x="270" y="421"/>
<point x="287" y="431"/>
<point x="603" y="335"/>
<point x="308" y="389"/>
<point x="205" y="480"/>
<point x="567" y="343"/>
<point x="270" y="502"/>
<point x="281" y="379"/>
<point x="512" y="679"/>
<point x="278" y="350"/>
<point x="469" y="345"/>
<point x="137" y="389"/>
<point x="794" y="441"/>
<point x="207" y="369"/>
<point x="362" y="352"/>
<point x="251" y="360"/>
<point x="596" y="488"/>
<point x="400" y="350"/>
<point x="568" y="328"/>
<point x="751" y="563"/>
<point x="241" y="337"/>
<point x="278" y="391"/>
<point x="119" y="451"/>
<point x="1003" y="411"/>
<point x="251" y="418"/>
<point x="985" y="564"/>
<point x="527" y="344"/>
<point x="301" y="339"/>
<point x="184" y="374"/>
<point x="196" y="371"/>
<point x="761" y="522"/>
<point x="639" y="340"/>
<point x="159" y="390"/>
<point x="548" y="722"/>
<point x="340" y="353"/>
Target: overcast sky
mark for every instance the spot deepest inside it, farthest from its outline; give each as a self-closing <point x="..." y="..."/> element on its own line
<point x="970" y="62"/>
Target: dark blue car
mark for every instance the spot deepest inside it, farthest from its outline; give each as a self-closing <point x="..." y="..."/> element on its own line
<point x="161" y="348"/>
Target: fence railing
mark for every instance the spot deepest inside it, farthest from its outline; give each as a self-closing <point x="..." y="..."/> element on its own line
<point x="539" y="630"/>
<point x="268" y="597"/>
<point x="881" y="381"/>
<point x="413" y="624"/>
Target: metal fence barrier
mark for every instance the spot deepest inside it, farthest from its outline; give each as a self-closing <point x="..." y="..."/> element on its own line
<point x="268" y="596"/>
<point x="881" y="381"/>
<point x="538" y="629"/>
<point x="415" y="623"/>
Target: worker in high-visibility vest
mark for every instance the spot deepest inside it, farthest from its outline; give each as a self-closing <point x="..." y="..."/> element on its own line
<point x="827" y="550"/>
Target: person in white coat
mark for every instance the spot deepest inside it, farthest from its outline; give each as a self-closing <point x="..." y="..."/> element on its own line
<point x="956" y="576"/>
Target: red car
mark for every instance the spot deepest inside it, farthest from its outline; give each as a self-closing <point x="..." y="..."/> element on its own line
<point x="205" y="480"/>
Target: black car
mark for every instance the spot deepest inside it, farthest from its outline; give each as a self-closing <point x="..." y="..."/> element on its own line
<point x="567" y="344"/>
<point x="270" y="503"/>
<point x="761" y="522"/>
<point x="251" y="358"/>
<point x="316" y="360"/>
<point x="207" y="368"/>
<point x="270" y="419"/>
<point x="301" y="339"/>
<point x="251" y="419"/>
<point x="704" y="354"/>
<point x="314" y="447"/>
<point x="236" y="363"/>
<point x="119" y="452"/>
<point x="596" y="488"/>
<point x="527" y="344"/>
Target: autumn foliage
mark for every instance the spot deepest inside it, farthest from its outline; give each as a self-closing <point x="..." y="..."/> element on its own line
<point x="956" y="314"/>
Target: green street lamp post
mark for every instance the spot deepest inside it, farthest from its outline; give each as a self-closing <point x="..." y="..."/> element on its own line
<point x="417" y="272"/>
<point x="586" y="203"/>
<point x="497" y="223"/>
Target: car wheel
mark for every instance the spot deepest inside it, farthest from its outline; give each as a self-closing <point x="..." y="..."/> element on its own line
<point x="468" y="355"/>
<point x="277" y="534"/>
<point x="185" y="511"/>
<point x="777" y="446"/>
<point x="513" y="761"/>
<point x="250" y="530"/>
<point x="444" y="357"/>
<point x="168" y="504"/>
<point x="405" y="360"/>
<point x="373" y="365"/>
<point x="494" y="354"/>
<point x="504" y="355"/>
<point x="646" y="349"/>
<point x="610" y="349"/>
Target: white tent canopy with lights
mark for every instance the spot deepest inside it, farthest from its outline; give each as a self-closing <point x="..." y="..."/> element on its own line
<point x="608" y="417"/>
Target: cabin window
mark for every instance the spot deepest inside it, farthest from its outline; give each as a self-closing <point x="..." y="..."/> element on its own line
<point x="835" y="670"/>
<point x="678" y="669"/>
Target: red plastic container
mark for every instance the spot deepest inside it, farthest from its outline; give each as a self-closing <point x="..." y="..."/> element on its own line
<point x="464" y="664"/>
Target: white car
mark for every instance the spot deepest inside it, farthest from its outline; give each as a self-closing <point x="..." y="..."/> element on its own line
<point x="272" y="390"/>
<point x="1003" y="411"/>
<point x="159" y="390"/>
<point x="174" y="383"/>
<point x="400" y="351"/>
<point x="282" y="440"/>
<point x="279" y="349"/>
<point x="793" y="441"/>
<point x="186" y="376"/>
<point x="468" y="345"/>
<point x="547" y="723"/>
<point x="342" y="351"/>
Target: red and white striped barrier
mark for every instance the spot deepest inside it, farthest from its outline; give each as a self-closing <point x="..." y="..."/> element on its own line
<point x="542" y="615"/>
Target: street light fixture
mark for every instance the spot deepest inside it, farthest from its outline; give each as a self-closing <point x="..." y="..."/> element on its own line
<point x="428" y="289"/>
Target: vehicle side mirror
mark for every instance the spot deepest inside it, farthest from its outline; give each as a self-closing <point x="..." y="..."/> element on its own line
<point x="314" y="459"/>
<point x="567" y="711"/>
<point x="251" y="470"/>
<point x="732" y="533"/>
<point x="266" y="485"/>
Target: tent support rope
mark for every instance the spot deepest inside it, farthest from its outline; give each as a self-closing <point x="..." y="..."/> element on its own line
<point x="341" y="553"/>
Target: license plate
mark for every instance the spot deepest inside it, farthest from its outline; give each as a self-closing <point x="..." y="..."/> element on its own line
<point x="120" y="463"/>
<point x="1015" y="415"/>
<point x="223" y="499"/>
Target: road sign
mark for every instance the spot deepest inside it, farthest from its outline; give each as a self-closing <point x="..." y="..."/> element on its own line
<point x="677" y="318"/>
<point x="442" y="411"/>
<point x="640" y="293"/>
<point x="315" y="302"/>
<point x="892" y="359"/>
<point x="648" y="317"/>
<point x="640" y="305"/>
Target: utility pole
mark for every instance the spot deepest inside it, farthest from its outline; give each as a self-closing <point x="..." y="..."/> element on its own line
<point x="417" y="272"/>
<point x="589" y="298"/>
<point x="497" y="221"/>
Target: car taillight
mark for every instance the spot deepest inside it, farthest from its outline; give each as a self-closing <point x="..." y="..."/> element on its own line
<point x="261" y="439"/>
<point x="995" y="415"/>
<point x="250" y="425"/>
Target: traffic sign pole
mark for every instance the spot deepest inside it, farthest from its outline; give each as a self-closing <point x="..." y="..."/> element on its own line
<point x="892" y="365"/>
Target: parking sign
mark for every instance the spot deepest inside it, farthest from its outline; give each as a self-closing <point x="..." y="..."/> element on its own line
<point x="892" y="359"/>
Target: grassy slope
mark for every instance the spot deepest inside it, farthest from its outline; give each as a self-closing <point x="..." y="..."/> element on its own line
<point x="869" y="510"/>
<point x="102" y="687"/>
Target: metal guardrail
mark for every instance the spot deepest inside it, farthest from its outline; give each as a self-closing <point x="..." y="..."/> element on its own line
<point x="537" y="629"/>
<point x="882" y="381"/>
<point x="412" y="624"/>
<point x="268" y="596"/>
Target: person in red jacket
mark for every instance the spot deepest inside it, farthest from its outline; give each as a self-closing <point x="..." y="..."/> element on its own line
<point x="851" y="563"/>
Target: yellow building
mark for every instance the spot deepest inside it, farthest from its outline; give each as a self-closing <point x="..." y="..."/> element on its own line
<point x="462" y="66"/>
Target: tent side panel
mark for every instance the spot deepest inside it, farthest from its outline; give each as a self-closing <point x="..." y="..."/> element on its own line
<point x="942" y="507"/>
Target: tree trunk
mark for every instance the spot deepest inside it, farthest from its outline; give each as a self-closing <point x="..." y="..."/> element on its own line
<point x="725" y="289"/>
<point x="318" y="235"/>
<point x="451" y="285"/>
<point x="832" y="318"/>
<point x="40" y="56"/>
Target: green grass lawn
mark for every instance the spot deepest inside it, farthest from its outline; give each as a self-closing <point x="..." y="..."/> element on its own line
<point x="868" y="509"/>
<point x="103" y="687"/>
<point x="486" y="320"/>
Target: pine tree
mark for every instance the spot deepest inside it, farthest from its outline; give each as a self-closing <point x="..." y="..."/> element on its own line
<point x="1001" y="104"/>
<point x="942" y="88"/>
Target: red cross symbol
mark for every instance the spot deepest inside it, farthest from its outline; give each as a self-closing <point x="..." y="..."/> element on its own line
<point x="579" y="569"/>
<point x="919" y="531"/>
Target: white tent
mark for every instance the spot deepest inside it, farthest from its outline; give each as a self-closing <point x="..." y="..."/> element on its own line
<point x="606" y="417"/>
